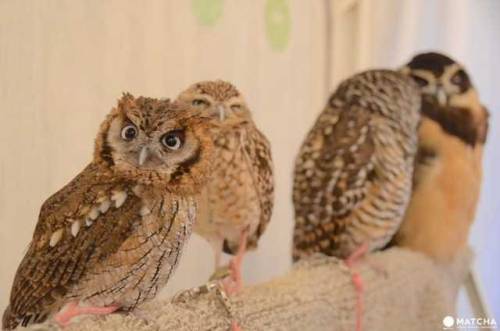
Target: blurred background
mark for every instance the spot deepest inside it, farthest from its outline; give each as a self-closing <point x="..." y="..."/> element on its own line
<point x="63" y="64"/>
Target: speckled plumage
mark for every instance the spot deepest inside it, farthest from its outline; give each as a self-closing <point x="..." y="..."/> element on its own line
<point x="114" y="234"/>
<point x="239" y="195"/>
<point x="352" y="178"/>
<point x="448" y="168"/>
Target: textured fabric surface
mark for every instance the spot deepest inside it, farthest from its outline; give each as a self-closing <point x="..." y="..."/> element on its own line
<point x="404" y="291"/>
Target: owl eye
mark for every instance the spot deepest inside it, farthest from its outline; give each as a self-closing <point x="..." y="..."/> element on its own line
<point x="200" y="102"/>
<point x="129" y="132"/>
<point x="236" y="107"/>
<point x="173" y="140"/>
<point x="419" y="80"/>
<point x="459" y="78"/>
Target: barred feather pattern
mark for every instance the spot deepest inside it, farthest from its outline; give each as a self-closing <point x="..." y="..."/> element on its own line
<point x="100" y="241"/>
<point x="353" y="174"/>
<point x="240" y="194"/>
<point x="145" y="261"/>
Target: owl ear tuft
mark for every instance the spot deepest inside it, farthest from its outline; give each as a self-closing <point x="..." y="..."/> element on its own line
<point x="126" y="101"/>
<point x="127" y="96"/>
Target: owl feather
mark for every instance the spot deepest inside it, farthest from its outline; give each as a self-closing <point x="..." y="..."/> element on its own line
<point x="352" y="178"/>
<point x="114" y="234"/>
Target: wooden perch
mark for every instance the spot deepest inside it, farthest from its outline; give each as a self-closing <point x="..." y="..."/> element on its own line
<point x="403" y="291"/>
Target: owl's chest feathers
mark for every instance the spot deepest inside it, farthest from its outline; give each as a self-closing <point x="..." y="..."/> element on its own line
<point x="446" y="189"/>
<point x="231" y="194"/>
<point x="166" y="220"/>
<point x="448" y="168"/>
<point x="232" y="171"/>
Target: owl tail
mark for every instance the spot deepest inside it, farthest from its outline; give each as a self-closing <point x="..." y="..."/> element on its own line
<point x="9" y="321"/>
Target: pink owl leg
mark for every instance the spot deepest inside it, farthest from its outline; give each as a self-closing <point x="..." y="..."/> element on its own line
<point x="72" y="309"/>
<point x="235" y="283"/>
<point x="357" y="282"/>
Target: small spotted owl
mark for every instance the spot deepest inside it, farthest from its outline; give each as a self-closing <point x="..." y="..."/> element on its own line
<point x="448" y="169"/>
<point x="236" y="204"/>
<point x="112" y="237"/>
<point x="352" y="179"/>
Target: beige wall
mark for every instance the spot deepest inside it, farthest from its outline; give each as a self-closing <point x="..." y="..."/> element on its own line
<point x="64" y="63"/>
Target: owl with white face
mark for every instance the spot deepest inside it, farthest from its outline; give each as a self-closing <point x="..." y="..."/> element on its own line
<point x="448" y="166"/>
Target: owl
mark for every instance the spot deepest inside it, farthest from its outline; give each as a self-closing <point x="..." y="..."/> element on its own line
<point x="448" y="169"/>
<point x="353" y="173"/>
<point x="236" y="204"/>
<point x="112" y="237"/>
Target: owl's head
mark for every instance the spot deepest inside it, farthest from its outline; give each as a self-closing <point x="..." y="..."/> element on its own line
<point x="156" y="142"/>
<point x="218" y="99"/>
<point x="448" y="96"/>
<point x="439" y="77"/>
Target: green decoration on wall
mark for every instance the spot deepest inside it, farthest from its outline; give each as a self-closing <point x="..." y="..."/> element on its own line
<point x="207" y="11"/>
<point x="278" y="23"/>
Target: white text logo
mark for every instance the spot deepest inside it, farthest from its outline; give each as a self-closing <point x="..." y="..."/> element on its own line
<point x="451" y="323"/>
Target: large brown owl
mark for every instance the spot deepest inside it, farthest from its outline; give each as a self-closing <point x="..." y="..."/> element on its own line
<point x="236" y="204"/>
<point x="113" y="236"/>
<point x="353" y="174"/>
<point x="448" y="169"/>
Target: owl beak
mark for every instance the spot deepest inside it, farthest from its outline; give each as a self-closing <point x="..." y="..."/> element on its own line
<point x="441" y="96"/>
<point x="143" y="155"/>
<point x="222" y="112"/>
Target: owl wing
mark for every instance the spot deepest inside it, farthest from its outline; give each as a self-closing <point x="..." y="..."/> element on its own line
<point x="78" y="226"/>
<point x="259" y="160"/>
<point x="333" y="173"/>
